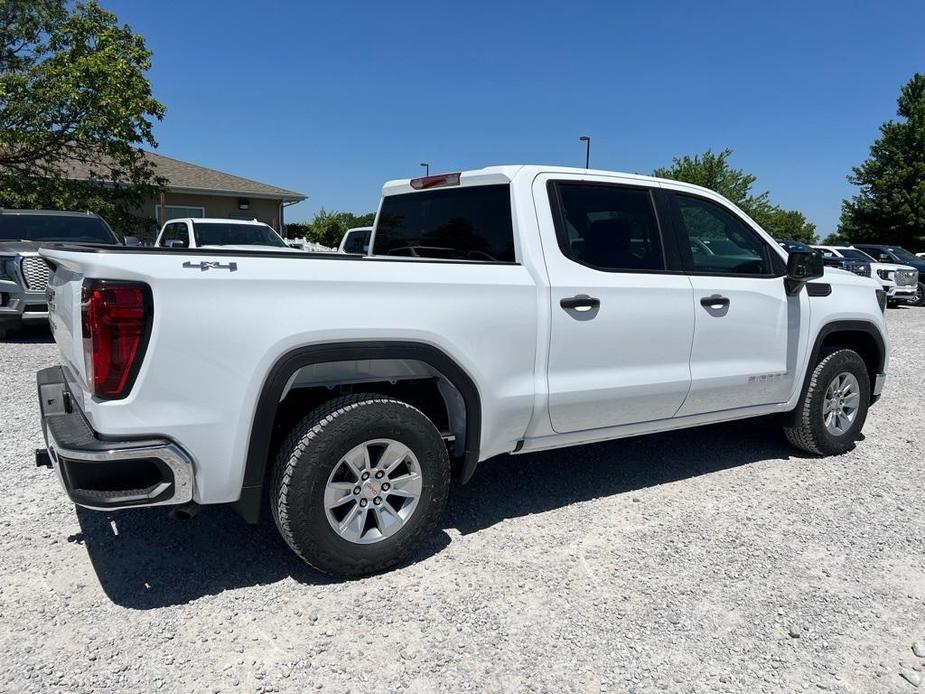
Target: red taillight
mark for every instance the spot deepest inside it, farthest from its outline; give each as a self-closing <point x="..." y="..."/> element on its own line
<point x="438" y="181"/>
<point x="116" y="320"/>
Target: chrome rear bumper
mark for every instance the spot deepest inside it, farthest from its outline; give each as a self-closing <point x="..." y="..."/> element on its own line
<point x="105" y="474"/>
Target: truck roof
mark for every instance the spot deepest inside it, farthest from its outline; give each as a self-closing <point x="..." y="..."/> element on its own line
<point x="215" y="220"/>
<point x="49" y="213"/>
<point x="506" y="173"/>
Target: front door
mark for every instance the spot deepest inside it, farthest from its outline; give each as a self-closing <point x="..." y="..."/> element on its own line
<point x="746" y="326"/>
<point x="621" y="323"/>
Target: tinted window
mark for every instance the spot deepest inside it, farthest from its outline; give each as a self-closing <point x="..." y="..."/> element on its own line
<point x="231" y="234"/>
<point x="609" y="227"/>
<point x="855" y="254"/>
<point x="720" y="242"/>
<point x="37" y="227"/>
<point x="357" y="242"/>
<point x="791" y="246"/>
<point x="472" y="223"/>
<point x="176" y="231"/>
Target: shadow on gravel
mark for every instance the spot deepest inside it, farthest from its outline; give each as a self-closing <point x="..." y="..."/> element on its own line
<point x="151" y="561"/>
<point x="512" y="486"/>
<point x="29" y="335"/>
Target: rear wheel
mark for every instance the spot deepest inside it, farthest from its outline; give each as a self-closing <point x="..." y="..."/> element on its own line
<point x="831" y="413"/>
<point x="359" y="484"/>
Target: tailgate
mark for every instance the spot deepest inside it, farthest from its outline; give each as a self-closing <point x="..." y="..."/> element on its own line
<point x="64" y="296"/>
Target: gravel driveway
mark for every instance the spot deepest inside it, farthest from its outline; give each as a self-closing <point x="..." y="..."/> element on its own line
<point x="715" y="560"/>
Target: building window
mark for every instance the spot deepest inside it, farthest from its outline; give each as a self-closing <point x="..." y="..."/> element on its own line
<point x="179" y="212"/>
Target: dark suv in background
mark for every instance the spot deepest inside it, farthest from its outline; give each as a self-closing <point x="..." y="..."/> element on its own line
<point x="23" y="274"/>
<point x="898" y="254"/>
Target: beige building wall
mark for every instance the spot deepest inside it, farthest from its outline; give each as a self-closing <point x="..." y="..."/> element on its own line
<point x="221" y="206"/>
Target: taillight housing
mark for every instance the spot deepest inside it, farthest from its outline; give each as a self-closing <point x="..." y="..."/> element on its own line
<point x="116" y="319"/>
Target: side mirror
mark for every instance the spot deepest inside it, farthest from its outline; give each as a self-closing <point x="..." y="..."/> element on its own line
<point x="175" y="243"/>
<point x="884" y="258"/>
<point x="802" y="266"/>
<point x="132" y="241"/>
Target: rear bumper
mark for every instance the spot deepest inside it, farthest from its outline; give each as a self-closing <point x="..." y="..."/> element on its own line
<point x="107" y="474"/>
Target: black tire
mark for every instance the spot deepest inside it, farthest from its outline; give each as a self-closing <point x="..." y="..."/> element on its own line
<point x="919" y="299"/>
<point x="805" y="427"/>
<point x="309" y="455"/>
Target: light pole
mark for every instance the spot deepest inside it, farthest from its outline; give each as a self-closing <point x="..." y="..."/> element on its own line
<point x="426" y="166"/>
<point x="587" y="141"/>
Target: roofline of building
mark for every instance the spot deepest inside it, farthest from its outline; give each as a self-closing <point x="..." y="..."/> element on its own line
<point x="290" y="196"/>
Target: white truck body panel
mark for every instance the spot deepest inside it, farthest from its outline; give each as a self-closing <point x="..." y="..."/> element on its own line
<point x="651" y="359"/>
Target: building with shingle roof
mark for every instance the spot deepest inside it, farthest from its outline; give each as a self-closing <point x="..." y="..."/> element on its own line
<point x="198" y="191"/>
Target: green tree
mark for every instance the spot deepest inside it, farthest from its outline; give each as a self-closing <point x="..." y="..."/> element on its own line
<point x="327" y="228"/>
<point x="73" y="88"/>
<point x="712" y="170"/>
<point x="890" y="206"/>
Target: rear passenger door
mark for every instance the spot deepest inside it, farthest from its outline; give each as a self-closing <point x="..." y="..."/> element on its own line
<point x="621" y="315"/>
<point x="747" y="328"/>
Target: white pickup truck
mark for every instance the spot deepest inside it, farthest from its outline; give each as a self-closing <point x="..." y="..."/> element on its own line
<point x="505" y="310"/>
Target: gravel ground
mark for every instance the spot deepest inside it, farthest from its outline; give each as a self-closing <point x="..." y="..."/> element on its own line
<point x="711" y="560"/>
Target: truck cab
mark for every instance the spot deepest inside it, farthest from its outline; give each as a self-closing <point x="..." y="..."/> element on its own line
<point x="215" y="233"/>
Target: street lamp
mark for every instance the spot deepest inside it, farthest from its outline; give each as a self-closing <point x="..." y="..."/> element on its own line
<point x="587" y="141"/>
<point x="426" y="166"/>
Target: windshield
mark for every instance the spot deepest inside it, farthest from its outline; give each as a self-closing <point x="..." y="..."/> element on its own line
<point x="855" y="254"/>
<point x="903" y="254"/>
<point x="791" y="246"/>
<point x="38" y="227"/>
<point x="231" y="234"/>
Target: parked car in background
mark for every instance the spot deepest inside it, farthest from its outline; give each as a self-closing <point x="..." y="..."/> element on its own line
<point x="23" y="274"/>
<point x="228" y="234"/>
<point x="900" y="282"/>
<point x="858" y="267"/>
<point x="356" y="240"/>
<point x="897" y="254"/>
<point x="351" y="390"/>
<point x="855" y="266"/>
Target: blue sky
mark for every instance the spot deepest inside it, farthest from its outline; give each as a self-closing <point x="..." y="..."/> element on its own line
<point x="333" y="98"/>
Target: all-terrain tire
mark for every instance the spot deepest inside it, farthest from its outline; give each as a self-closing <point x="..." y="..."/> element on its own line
<point x="307" y="458"/>
<point x="805" y="425"/>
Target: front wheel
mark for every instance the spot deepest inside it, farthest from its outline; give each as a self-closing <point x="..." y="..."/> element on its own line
<point x="359" y="484"/>
<point x="831" y="412"/>
<point x="918" y="298"/>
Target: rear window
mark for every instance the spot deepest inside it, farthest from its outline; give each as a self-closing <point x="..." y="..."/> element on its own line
<point x="231" y="234"/>
<point x="36" y="227"/>
<point x="357" y="242"/>
<point x="472" y="223"/>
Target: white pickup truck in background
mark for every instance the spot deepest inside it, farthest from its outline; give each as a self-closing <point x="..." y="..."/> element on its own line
<point x="505" y="310"/>
<point x="216" y="232"/>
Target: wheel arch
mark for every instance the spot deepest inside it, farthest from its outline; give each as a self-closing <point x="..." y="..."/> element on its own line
<point x="862" y="336"/>
<point x="279" y="379"/>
